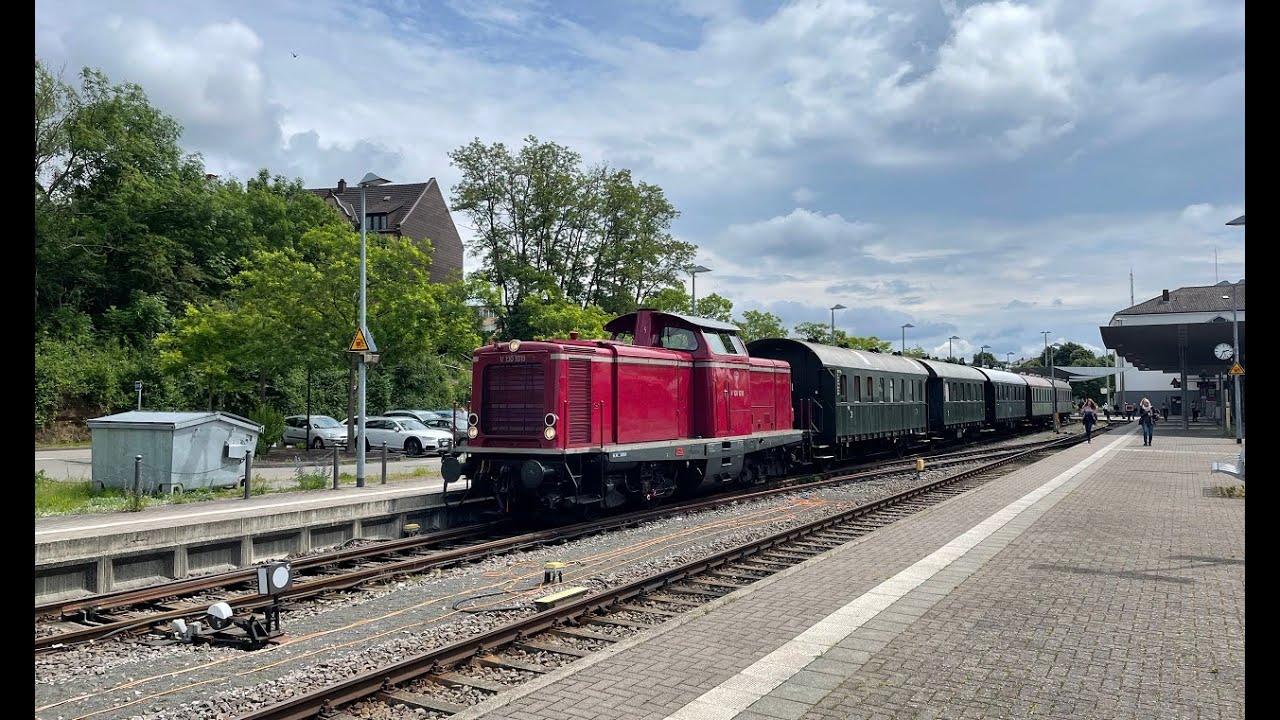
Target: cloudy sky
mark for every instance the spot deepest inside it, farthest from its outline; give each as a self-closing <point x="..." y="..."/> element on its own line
<point x="983" y="169"/>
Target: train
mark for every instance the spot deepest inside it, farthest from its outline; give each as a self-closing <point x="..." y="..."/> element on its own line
<point x="674" y="403"/>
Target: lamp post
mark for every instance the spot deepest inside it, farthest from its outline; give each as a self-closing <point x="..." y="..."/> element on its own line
<point x="951" y="354"/>
<point x="1045" y="333"/>
<point x="982" y="350"/>
<point x="693" y="289"/>
<point x="1008" y="360"/>
<point x="369" y="180"/>
<point x="904" y="337"/>
<point x="1235" y="357"/>
<point x="834" y="308"/>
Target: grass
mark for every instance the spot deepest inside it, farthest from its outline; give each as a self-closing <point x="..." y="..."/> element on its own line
<point x="55" y="497"/>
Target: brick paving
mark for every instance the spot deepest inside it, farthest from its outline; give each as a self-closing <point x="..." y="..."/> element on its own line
<point x="1105" y="582"/>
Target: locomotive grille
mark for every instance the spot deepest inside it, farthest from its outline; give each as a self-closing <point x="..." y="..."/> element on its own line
<point x="580" y="401"/>
<point x="513" y="399"/>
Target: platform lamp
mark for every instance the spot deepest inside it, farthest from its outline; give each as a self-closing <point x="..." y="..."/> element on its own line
<point x="951" y="354"/>
<point x="369" y="180"/>
<point x="904" y="337"/>
<point x="983" y="349"/>
<point x="693" y="271"/>
<point x="834" y="308"/>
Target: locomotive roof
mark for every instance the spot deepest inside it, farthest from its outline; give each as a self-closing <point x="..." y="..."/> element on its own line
<point x="954" y="371"/>
<point x="625" y="323"/>
<point x="1003" y="376"/>
<point x="845" y="358"/>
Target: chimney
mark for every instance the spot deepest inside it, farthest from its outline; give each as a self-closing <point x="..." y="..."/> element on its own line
<point x="1164" y="296"/>
<point x="342" y="185"/>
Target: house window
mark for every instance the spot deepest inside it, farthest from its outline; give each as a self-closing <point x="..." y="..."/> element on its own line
<point x="377" y="221"/>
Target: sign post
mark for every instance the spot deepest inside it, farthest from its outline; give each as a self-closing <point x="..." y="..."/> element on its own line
<point x="363" y="347"/>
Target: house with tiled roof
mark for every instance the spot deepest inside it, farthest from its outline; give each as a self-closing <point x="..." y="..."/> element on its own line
<point x="413" y="210"/>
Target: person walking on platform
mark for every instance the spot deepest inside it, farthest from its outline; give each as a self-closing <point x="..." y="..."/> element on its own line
<point x="1164" y="410"/>
<point x="1089" y="414"/>
<point x="1146" y="419"/>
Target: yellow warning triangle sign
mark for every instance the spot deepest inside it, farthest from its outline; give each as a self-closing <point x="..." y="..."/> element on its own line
<point x="359" y="344"/>
<point x="1236" y="369"/>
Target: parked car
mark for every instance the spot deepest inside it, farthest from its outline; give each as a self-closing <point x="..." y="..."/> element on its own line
<point x="325" y="432"/>
<point x="406" y="433"/>
<point x="438" y="419"/>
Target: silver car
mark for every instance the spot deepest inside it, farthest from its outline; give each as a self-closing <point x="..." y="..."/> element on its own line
<point x="406" y="433"/>
<point x="325" y="432"/>
<point x="438" y="419"/>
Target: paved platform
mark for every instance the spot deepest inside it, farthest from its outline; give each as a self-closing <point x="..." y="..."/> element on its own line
<point x="1105" y="582"/>
<point x="79" y="555"/>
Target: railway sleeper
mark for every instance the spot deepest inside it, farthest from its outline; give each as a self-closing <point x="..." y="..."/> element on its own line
<point x="694" y="590"/>
<point x="794" y="557"/>
<point x="536" y="646"/>
<point x="619" y="622"/>
<point x="771" y="568"/>
<point x="457" y="679"/>
<point x="719" y="583"/>
<point x="678" y="601"/>
<point x="584" y="633"/>
<point x="639" y="609"/>
<point x="737" y="575"/>
<point x="418" y="701"/>
<point x="496" y="661"/>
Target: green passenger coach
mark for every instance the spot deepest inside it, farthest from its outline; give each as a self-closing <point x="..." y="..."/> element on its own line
<point x="851" y="401"/>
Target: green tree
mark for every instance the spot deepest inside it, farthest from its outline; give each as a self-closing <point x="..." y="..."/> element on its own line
<point x="757" y="324"/>
<point x="715" y="307"/>
<point x="550" y="319"/>
<point x="545" y="225"/>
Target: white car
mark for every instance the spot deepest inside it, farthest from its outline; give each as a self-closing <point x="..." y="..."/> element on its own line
<point x="407" y="434"/>
<point x="325" y="432"/>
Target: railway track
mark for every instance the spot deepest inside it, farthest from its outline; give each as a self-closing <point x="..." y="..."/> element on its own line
<point x="446" y="680"/>
<point x="138" y="612"/>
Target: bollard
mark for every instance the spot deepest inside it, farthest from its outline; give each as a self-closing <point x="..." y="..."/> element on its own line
<point x="919" y="467"/>
<point x="335" y="468"/>
<point x="137" y="476"/>
<point x="248" y="473"/>
<point x="384" y="462"/>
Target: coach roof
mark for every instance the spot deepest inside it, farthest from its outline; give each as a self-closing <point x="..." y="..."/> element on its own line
<point x="831" y="356"/>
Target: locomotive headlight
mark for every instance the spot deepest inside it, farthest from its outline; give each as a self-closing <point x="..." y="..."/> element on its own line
<point x="472" y="432"/>
<point x="550" y="419"/>
<point x="549" y="433"/>
<point x="514" y="345"/>
<point x="473" y="419"/>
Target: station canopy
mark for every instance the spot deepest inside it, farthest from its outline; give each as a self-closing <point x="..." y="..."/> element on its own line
<point x="1177" y="331"/>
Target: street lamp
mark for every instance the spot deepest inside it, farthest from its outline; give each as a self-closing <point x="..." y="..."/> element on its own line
<point x="1237" y="221"/>
<point x="1047" y="360"/>
<point x="834" y="308"/>
<point x="1235" y="357"/>
<point x="982" y="350"/>
<point x="951" y="354"/>
<point x="904" y="337"/>
<point x="693" y="290"/>
<point x="369" y="180"/>
<point x="1008" y="360"/>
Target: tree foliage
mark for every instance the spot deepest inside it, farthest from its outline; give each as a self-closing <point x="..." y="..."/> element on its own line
<point x="757" y="324"/>
<point x="544" y="224"/>
<point x="821" y="332"/>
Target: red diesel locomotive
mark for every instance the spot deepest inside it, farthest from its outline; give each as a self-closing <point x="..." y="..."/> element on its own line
<point x="670" y="402"/>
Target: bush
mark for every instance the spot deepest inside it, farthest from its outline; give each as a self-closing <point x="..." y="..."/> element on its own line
<point x="272" y="422"/>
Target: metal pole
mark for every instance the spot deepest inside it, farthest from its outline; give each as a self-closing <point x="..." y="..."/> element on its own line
<point x="138" y="386"/>
<point x="833" y="326"/>
<point x="248" y="473"/>
<point x="904" y="340"/>
<point x="335" y="467"/>
<point x="308" y="435"/>
<point x="950" y="353"/>
<point x="137" y="475"/>
<point x="384" y="462"/>
<point x="693" y="293"/>
<point x="1235" y="355"/>
<point x="364" y="221"/>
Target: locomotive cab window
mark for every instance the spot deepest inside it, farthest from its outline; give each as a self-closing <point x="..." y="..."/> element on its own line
<point x="674" y="338"/>
<point x="725" y="344"/>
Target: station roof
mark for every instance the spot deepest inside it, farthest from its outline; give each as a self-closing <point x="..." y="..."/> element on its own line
<point x="1179" y="329"/>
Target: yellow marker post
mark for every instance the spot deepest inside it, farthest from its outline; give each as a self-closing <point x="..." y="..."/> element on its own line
<point x="919" y="467"/>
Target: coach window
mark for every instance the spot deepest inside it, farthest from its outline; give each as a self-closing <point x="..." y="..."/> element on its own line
<point x="880" y="390"/>
<point x="844" y="388"/>
<point x="869" y="395"/>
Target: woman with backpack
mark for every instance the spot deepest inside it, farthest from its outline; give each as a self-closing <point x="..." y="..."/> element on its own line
<point x="1147" y="420"/>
